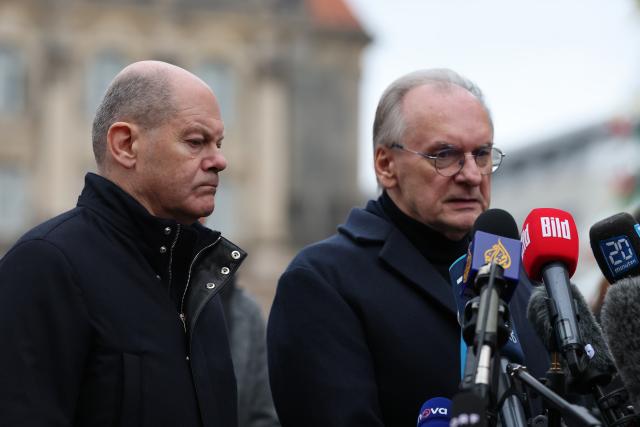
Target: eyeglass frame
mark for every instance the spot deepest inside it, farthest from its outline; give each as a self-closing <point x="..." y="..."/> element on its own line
<point x="434" y="158"/>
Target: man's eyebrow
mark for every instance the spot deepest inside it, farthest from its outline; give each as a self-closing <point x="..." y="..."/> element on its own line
<point x="443" y="145"/>
<point x="202" y="129"/>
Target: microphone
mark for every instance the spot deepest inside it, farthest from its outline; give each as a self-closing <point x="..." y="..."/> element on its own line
<point x="615" y="242"/>
<point x="435" y="412"/>
<point x="462" y="295"/>
<point x="601" y="366"/>
<point x="595" y="348"/>
<point x="495" y="237"/>
<point x="550" y="254"/>
<point x="621" y="323"/>
<point x="495" y="242"/>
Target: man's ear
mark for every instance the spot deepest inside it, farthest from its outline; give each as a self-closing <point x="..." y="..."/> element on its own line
<point x="385" y="166"/>
<point x="122" y="144"/>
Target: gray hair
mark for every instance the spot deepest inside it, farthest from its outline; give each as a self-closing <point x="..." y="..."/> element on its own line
<point x="145" y="99"/>
<point x="389" y="124"/>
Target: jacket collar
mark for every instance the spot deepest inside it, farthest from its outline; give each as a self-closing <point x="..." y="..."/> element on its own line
<point x="371" y="225"/>
<point x="153" y="235"/>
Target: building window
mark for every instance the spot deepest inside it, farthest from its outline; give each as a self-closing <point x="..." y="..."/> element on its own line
<point x="12" y="202"/>
<point x="12" y="81"/>
<point x="101" y="71"/>
<point x="219" y="76"/>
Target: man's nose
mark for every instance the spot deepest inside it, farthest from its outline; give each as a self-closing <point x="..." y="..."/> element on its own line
<point x="470" y="171"/>
<point x="214" y="160"/>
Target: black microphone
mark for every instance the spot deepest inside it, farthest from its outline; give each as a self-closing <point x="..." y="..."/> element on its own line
<point x="615" y="243"/>
<point x="595" y="347"/>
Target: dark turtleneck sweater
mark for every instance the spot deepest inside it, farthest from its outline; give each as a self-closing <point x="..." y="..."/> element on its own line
<point x="434" y="246"/>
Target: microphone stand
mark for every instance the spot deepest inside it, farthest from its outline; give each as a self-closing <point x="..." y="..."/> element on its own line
<point x="480" y="331"/>
<point x="573" y="415"/>
<point x="584" y="379"/>
<point x="613" y="406"/>
<point x="512" y="412"/>
<point x="556" y="381"/>
<point x="486" y="329"/>
<point x="563" y="315"/>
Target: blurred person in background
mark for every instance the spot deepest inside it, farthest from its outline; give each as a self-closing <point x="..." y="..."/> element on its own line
<point x="110" y="313"/>
<point x="363" y="328"/>
<point x="246" y="328"/>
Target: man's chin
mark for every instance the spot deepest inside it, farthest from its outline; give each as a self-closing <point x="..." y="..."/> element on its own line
<point x="464" y="220"/>
<point x="207" y="211"/>
<point x="460" y="226"/>
<point x="202" y="212"/>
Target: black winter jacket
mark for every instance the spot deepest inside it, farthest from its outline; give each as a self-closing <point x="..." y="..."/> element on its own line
<point x="89" y="334"/>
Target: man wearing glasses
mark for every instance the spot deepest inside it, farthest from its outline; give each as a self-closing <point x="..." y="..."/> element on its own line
<point x="363" y="327"/>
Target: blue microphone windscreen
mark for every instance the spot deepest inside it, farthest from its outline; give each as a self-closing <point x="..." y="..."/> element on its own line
<point x="435" y="412"/>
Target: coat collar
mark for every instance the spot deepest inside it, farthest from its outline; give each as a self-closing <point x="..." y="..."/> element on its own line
<point x="371" y="225"/>
<point x="153" y="235"/>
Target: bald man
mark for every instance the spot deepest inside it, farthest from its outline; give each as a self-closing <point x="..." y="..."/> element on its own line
<point x="110" y="313"/>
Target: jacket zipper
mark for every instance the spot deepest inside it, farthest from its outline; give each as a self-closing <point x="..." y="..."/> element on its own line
<point x="173" y="245"/>
<point x="183" y="318"/>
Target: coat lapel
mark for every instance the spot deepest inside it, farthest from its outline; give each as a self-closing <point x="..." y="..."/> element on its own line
<point x="400" y="255"/>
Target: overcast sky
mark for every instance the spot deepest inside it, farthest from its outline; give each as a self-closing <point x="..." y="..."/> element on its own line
<point x="545" y="66"/>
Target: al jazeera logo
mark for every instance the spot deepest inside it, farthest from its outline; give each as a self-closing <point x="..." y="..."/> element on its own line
<point x="467" y="268"/>
<point x="498" y="254"/>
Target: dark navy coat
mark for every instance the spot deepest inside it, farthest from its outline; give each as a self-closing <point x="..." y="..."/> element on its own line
<point x="363" y="330"/>
<point x="89" y="335"/>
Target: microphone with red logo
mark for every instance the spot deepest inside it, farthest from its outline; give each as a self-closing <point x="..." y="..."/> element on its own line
<point x="550" y="254"/>
<point x="435" y="412"/>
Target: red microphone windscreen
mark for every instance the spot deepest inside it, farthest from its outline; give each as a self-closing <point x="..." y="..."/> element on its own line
<point x="549" y="235"/>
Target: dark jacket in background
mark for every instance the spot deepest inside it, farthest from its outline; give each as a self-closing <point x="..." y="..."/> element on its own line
<point x="249" y="353"/>
<point x="89" y="320"/>
<point x="363" y="330"/>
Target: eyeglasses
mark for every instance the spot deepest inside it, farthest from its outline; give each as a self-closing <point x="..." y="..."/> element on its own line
<point x="449" y="161"/>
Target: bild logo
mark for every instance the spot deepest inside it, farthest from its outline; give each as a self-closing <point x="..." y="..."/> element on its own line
<point x="554" y="227"/>
<point x="524" y="238"/>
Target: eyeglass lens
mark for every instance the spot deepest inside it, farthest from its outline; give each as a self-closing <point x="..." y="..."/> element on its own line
<point x="450" y="161"/>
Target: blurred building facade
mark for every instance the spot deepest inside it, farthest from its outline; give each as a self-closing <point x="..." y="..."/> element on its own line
<point x="592" y="172"/>
<point x="286" y="73"/>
